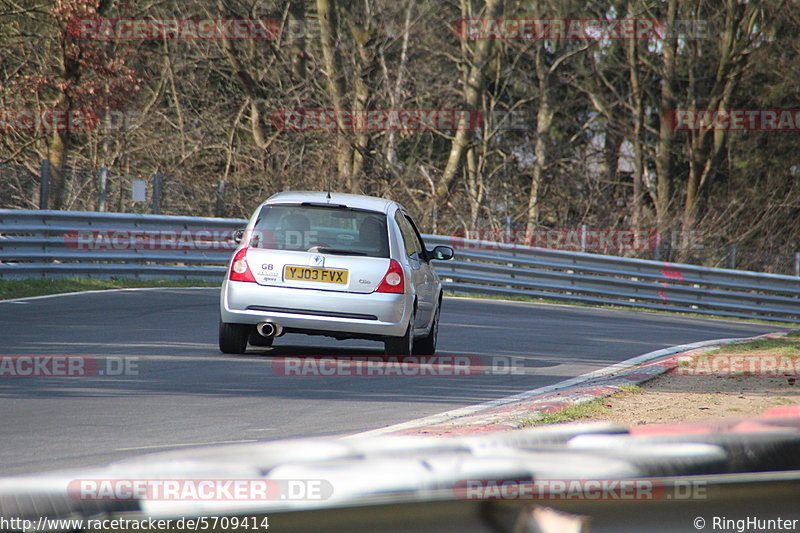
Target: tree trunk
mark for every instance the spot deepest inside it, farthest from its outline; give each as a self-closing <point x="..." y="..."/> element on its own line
<point x="706" y="146"/>
<point x="297" y="38"/>
<point x="57" y="154"/>
<point x="394" y="92"/>
<point x="326" y="11"/>
<point x="636" y="137"/>
<point x="364" y="67"/>
<point x="472" y="99"/>
<point x="666" y="134"/>
<point x="544" y="119"/>
<point x="474" y="185"/>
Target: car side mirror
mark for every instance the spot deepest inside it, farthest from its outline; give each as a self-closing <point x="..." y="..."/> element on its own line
<point x="238" y="235"/>
<point x="441" y="253"/>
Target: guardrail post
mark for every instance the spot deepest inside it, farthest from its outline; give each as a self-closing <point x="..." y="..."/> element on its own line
<point x="797" y="264"/>
<point x="102" y="189"/>
<point x="158" y="180"/>
<point x="219" y="209"/>
<point x="657" y="247"/>
<point x="44" y="185"/>
<point x="732" y="257"/>
<point x="583" y="237"/>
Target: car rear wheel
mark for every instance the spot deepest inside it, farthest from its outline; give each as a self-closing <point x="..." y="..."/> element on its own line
<point x="427" y="344"/>
<point x="233" y="337"/>
<point x="401" y="345"/>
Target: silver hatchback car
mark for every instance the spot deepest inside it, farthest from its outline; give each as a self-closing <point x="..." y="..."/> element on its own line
<point x="340" y="265"/>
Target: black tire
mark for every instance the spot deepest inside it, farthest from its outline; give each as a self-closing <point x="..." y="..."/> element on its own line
<point x="746" y="452"/>
<point x="427" y="344"/>
<point x="401" y="345"/>
<point x="258" y="340"/>
<point x="233" y="337"/>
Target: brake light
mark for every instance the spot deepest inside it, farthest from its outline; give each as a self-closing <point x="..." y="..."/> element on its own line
<point x="393" y="281"/>
<point x="240" y="271"/>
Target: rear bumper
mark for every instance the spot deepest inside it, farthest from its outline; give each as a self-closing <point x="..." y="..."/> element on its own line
<point x="314" y="311"/>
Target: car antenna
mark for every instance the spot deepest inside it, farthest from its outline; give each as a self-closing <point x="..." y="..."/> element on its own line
<point x="329" y="191"/>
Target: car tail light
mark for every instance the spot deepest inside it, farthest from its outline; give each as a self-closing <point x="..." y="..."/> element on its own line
<point x="394" y="280"/>
<point x="240" y="271"/>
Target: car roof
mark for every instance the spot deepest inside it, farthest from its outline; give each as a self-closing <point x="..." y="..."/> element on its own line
<point x="355" y="201"/>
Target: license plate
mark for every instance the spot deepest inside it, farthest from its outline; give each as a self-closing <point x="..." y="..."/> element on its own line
<point x="323" y="275"/>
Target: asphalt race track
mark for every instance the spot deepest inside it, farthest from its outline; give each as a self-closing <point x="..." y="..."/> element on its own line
<point x="181" y="391"/>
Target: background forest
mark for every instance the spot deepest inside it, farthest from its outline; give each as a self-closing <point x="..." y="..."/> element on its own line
<point x="575" y="131"/>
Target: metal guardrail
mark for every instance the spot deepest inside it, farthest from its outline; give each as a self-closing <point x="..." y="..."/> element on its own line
<point x="487" y="267"/>
<point x="47" y="244"/>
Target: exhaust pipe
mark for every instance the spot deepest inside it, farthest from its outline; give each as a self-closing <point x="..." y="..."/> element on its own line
<point x="269" y="329"/>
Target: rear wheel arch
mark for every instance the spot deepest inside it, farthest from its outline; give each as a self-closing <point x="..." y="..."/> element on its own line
<point x="414" y="309"/>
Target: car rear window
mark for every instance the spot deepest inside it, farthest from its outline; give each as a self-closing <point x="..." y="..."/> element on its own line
<point x="321" y="228"/>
